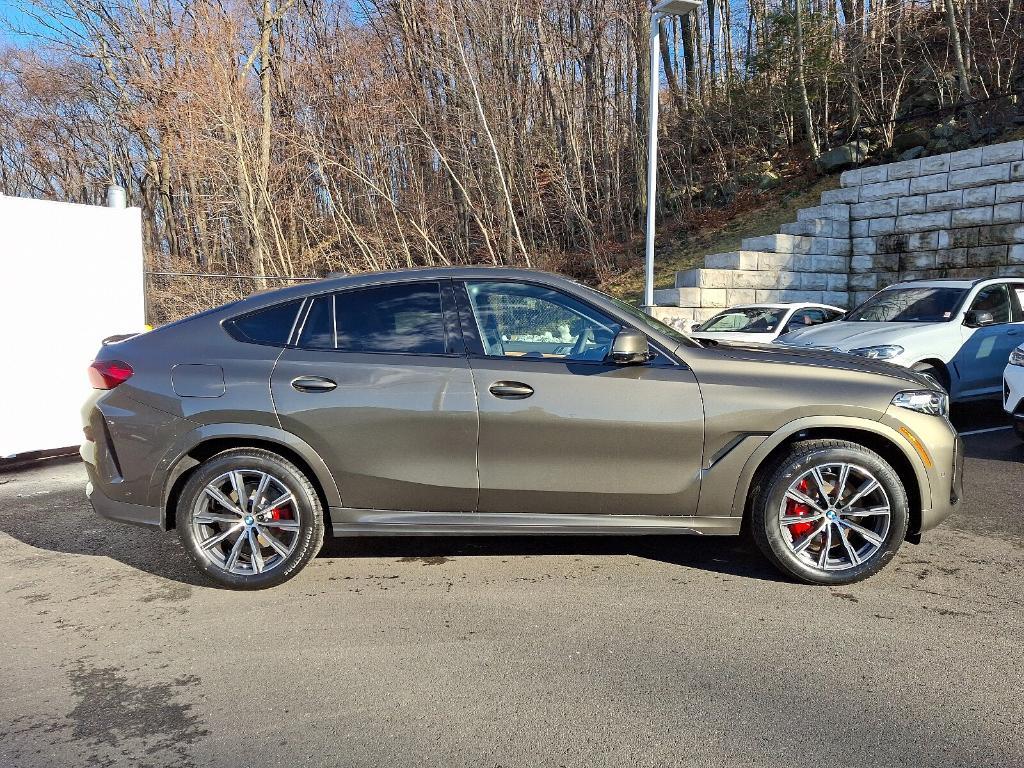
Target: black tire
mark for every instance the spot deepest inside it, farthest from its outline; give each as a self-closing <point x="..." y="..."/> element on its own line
<point x="936" y="373"/>
<point x="308" y="511"/>
<point x="769" y="497"/>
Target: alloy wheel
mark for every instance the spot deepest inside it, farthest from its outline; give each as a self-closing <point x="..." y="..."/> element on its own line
<point x="835" y="516"/>
<point x="245" y="522"/>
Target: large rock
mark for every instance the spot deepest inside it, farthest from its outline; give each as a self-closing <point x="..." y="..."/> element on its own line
<point x="905" y="141"/>
<point x="843" y="157"/>
<point x="912" y="154"/>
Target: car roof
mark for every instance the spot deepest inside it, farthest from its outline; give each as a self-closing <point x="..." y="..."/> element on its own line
<point x="784" y="305"/>
<point x="947" y="282"/>
<point x="341" y="282"/>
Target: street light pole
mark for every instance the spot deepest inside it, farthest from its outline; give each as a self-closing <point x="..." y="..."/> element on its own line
<point x="663" y="9"/>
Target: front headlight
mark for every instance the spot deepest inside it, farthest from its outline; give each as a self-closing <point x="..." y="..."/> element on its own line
<point x="1017" y="356"/>
<point x="883" y="352"/>
<point x="924" y="401"/>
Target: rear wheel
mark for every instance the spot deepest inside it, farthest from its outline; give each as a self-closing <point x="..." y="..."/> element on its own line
<point x="831" y="512"/>
<point x="250" y="519"/>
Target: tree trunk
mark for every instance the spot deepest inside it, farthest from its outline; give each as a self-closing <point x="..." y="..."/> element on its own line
<point x="805" y="103"/>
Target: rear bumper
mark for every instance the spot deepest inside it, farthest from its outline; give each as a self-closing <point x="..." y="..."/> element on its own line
<point x="122" y="511"/>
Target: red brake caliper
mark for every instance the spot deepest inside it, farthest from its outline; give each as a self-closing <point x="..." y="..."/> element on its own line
<point x="797" y="509"/>
<point x="284" y="513"/>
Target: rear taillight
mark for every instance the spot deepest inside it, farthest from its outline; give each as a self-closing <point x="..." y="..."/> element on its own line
<point x="107" y="374"/>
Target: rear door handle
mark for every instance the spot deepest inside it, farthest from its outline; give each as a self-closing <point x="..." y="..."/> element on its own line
<point x="313" y="384"/>
<point x="510" y="390"/>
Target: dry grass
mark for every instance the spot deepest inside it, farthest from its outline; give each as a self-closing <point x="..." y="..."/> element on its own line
<point x="718" y="232"/>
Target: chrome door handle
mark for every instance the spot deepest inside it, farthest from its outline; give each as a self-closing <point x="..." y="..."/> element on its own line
<point x="510" y="390"/>
<point x="313" y="384"/>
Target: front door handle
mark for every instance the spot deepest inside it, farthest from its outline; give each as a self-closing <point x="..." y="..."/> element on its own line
<point x="313" y="384"/>
<point x="510" y="390"/>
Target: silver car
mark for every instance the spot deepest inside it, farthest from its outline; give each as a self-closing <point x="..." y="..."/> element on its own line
<point x="492" y="401"/>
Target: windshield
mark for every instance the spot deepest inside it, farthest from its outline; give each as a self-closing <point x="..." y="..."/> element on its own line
<point x="655" y="325"/>
<point x="909" y="305"/>
<point x="745" y="320"/>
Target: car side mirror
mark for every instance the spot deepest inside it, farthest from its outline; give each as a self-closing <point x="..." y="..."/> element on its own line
<point x="630" y="347"/>
<point x="977" y="318"/>
<point x="695" y="327"/>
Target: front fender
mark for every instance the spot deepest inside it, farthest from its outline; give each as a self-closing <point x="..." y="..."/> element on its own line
<point x="838" y="424"/>
<point x="176" y="460"/>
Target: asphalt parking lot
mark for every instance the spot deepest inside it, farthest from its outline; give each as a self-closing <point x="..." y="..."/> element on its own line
<point x="515" y="652"/>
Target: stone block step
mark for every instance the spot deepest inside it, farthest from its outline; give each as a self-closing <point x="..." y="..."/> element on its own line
<point x="840" y="211"/>
<point x="682" y="318"/>
<point x="705" y="279"/>
<point x="708" y="298"/>
<point x="825" y="246"/>
<point x="817" y="228"/>
<point x="756" y="296"/>
<point x="775" y="262"/>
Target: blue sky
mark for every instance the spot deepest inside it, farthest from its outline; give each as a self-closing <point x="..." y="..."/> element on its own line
<point x="11" y="15"/>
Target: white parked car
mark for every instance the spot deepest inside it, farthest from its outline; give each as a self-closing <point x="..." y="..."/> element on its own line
<point x="960" y="332"/>
<point x="1013" y="389"/>
<point x="763" y="323"/>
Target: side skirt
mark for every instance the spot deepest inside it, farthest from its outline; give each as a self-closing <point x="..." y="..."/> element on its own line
<point x="376" y="522"/>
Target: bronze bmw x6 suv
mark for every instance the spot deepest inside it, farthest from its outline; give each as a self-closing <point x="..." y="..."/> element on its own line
<point x="492" y="401"/>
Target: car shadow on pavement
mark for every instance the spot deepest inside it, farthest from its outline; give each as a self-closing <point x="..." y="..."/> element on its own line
<point x="735" y="556"/>
<point x="61" y="523"/>
<point x="69" y="531"/>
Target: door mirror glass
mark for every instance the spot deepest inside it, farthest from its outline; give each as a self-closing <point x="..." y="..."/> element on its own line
<point x="630" y="348"/>
<point x="977" y="318"/>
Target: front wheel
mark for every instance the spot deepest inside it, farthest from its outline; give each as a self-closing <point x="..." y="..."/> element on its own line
<point x="250" y="519"/>
<point x="830" y="512"/>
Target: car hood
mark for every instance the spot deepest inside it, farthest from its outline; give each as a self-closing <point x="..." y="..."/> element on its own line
<point x="822" y="359"/>
<point x="734" y="337"/>
<point x="845" y="335"/>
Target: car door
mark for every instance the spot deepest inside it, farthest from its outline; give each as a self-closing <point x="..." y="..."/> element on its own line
<point x="982" y="358"/>
<point x="377" y="381"/>
<point x="561" y="429"/>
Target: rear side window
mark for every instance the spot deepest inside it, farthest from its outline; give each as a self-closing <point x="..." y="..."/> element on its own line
<point x="272" y="325"/>
<point x="318" y="330"/>
<point x="400" y="319"/>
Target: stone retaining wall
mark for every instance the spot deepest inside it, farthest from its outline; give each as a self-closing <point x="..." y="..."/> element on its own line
<point x="954" y="215"/>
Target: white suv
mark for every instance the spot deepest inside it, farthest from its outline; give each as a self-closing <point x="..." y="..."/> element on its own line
<point x="960" y="332"/>
<point x="1013" y="389"/>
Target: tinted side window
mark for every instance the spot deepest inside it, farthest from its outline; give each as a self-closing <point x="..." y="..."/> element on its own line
<point x="272" y="325"/>
<point x="404" y="318"/>
<point x="1017" y="290"/>
<point x="805" y="317"/>
<point x="318" y="328"/>
<point x="996" y="300"/>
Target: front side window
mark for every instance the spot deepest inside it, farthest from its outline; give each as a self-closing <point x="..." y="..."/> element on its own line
<point x="530" y="321"/>
<point x="745" y="320"/>
<point x="401" y="319"/>
<point x="909" y="305"/>
<point x="272" y="325"/>
<point x="994" y="299"/>
<point x="804" y="318"/>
